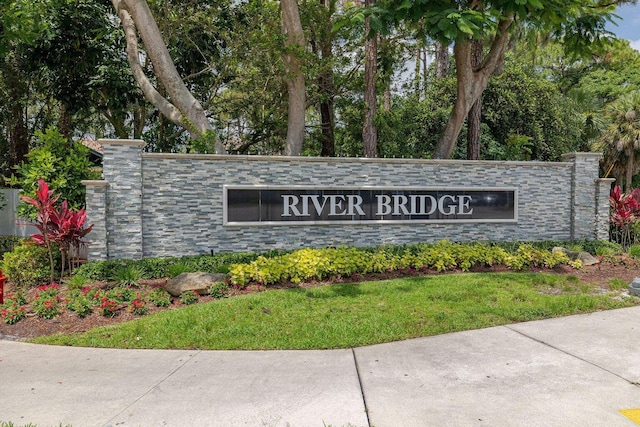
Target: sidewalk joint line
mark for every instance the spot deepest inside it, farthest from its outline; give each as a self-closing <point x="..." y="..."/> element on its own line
<point x="634" y="383"/>
<point x="155" y="386"/>
<point x="364" y="399"/>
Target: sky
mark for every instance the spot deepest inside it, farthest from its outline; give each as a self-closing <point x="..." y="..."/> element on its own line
<point x="629" y="24"/>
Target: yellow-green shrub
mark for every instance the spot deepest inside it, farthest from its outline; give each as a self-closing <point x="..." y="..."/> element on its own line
<point x="318" y="264"/>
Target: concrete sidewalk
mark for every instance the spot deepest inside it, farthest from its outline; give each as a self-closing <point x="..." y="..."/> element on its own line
<point x="573" y="371"/>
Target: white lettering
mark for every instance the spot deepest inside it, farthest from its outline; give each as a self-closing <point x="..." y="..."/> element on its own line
<point x="441" y="206"/>
<point x="395" y="205"/>
<point x="335" y="203"/>
<point x="399" y="204"/>
<point x="384" y="205"/>
<point x="433" y="206"/>
<point x="290" y="203"/>
<point x="354" y="201"/>
<point x="464" y="204"/>
<point x="316" y="204"/>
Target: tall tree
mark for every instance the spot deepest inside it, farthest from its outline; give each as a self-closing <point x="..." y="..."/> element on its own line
<point x="579" y="23"/>
<point x="321" y="42"/>
<point x="442" y="60"/>
<point x="369" y="131"/>
<point x="475" y="113"/>
<point x="294" y="44"/>
<point x="182" y="108"/>
<point x="621" y="140"/>
<point x="22" y="23"/>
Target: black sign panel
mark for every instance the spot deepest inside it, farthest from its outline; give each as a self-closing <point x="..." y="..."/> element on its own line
<point x="304" y="205"/>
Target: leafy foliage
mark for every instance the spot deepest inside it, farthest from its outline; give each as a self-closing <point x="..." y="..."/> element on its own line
<point x="159" y="297"/>
<point x="189" y="297"/>
<point x="307" y="264"/>
<point x="47" y="302"/>
<point x="60" y="163"/>
<point x="129" y="275"/>
<point x="28" y="264"/>
<point x="58" y="226"/>
<point x="625" y="213"/>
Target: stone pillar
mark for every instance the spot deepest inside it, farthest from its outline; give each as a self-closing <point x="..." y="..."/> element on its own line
<point x="122" y="169"/>
<point x="603" y="207"/>
<point x="96" y="205"/>
<point x="583" y="194"/>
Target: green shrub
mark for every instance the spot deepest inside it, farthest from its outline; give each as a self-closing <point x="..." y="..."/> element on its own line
<point x="80" y="303"/>
<point x="61" y="164"/>
<point x="12" y="312"/>
<point x="8" y="243"/>
<point x="219" y="290"/>
<point x="634" y="251"/>
<point x="308" y="264"/>
<point x="121" y="294"/>
<point x="14" y="308"/>
<point x="28" y="265"/>
<point x="189" y="297"/>
<point x="91" y="271"/>
<point x="75" y="282"/>
<point x="47" y="302"/>
<point x="129" y="275"/>
<point x="138" y="306"/>
<point x="159" y="297"/>
<point x="109" y="307"/>
<point x="178" y="268"/>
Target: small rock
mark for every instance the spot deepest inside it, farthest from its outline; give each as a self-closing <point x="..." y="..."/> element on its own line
<point x="585" y="257"/>
<point x="634" y="287"/>
<point x="198" y="282"/>
<point x="588" y="259"/>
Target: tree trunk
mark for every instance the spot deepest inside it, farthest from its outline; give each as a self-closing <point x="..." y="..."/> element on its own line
<point x="328" y="126"/>
<point x="628" y="184"/>
<point x="183" y="110"/>
<point x="475" y="114"/>
<point x="326" y="88"/>
<point x="369" y="131"/>
<point x="64" y="123"/>
<point x="294" y="42"/>
<point x="471" y="82"/>
<point x="417" y="77"/>
<point x="17" y="91"/>
<point x="18" y="137"/>
<point x="442" y="60"/>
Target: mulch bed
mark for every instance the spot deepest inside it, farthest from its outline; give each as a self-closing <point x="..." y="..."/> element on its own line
<point x="68" y="322"/>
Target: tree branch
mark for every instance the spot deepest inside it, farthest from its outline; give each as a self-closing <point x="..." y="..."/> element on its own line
<point x="133" y="56"/>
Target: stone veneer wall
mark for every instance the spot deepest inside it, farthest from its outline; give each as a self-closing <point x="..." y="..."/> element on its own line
<point x="156" y="205"/>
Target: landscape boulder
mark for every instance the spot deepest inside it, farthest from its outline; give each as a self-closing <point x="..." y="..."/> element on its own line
<point x="198" y="282"/>
<point x="585" y="257"/>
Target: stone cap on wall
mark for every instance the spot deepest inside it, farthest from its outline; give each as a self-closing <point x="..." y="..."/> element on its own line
<point x="298" y="159"/>
<point x="575" y="155"/>
<point x="129" y="142"/>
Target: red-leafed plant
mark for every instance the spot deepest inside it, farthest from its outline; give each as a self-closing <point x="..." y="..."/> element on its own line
<point x="58" y="225"/>
<point x="625" y="213"/>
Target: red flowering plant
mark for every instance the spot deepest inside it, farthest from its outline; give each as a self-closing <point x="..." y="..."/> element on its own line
<point x="138" y="306"/>
<point x="47" y="301"/>
<point x="13" y="312"/>
<point x="14" y="308"/>
<point x="108" y="307"/>
<point x="58" y="225"/>
<point x="625" y="213"/>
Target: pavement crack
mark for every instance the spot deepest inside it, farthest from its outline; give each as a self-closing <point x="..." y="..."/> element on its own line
<point x="364" y="399"/>
<point x="155" y="386"/>
<point x="602" y="368"/>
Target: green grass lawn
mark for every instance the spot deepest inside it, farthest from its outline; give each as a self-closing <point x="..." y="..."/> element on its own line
<point x="347" y="315"/>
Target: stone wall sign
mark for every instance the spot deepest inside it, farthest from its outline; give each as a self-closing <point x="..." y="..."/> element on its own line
<point x="304" y="205"/>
